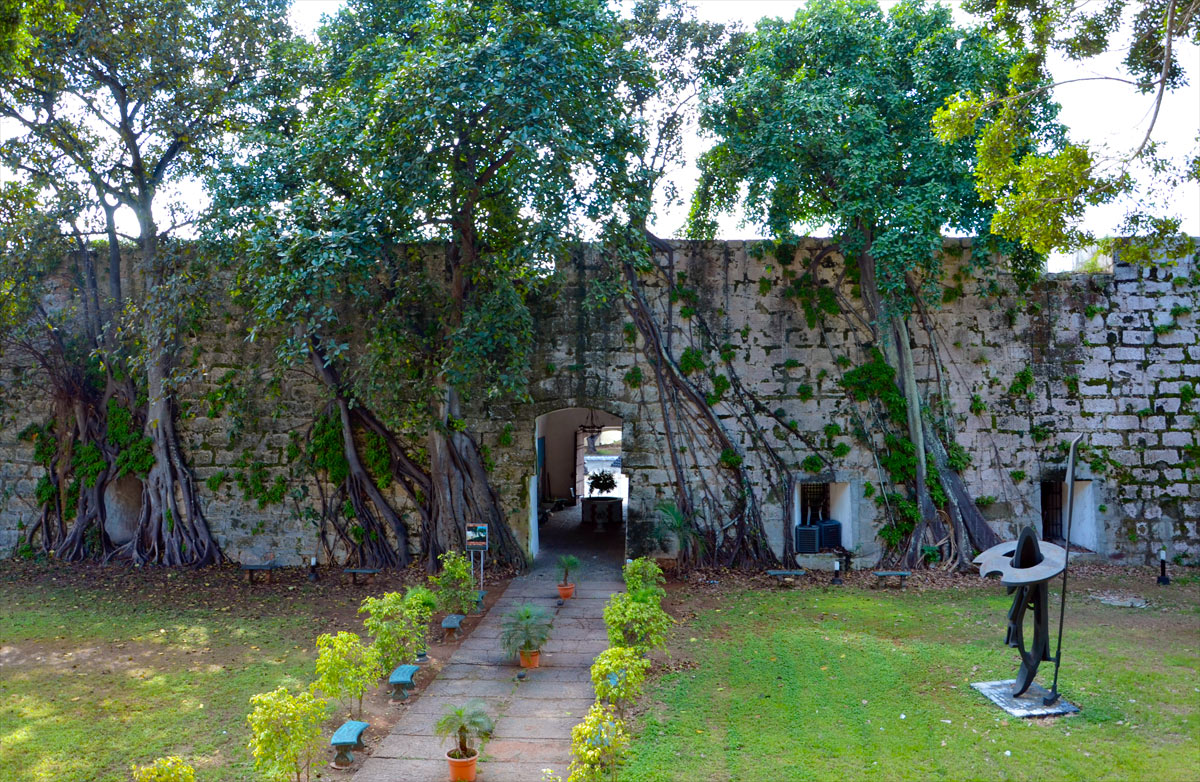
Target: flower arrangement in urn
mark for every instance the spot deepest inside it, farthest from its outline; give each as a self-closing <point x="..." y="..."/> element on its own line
<point x="601" y="482"/>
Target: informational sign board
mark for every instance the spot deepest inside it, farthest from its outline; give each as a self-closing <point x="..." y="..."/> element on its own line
<point x="477" y="537"/>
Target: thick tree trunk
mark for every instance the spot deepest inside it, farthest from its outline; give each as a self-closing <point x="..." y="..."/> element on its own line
<point x="462" y="494"/>
<point x="90" y="503"/>
<point x="977" y="531"/>
<point x="374" y="548"/>
<point x="171" y="527"/>
<point x="908" y="375"/>
<point x="373" y="513"/>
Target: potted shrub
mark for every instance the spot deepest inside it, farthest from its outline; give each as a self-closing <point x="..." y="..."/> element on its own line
<point x="568" y="562"/>
<point x="525" y="630"/>
<point x="464" y="723"/>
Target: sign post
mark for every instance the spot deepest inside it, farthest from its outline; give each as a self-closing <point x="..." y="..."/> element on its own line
<point x="477" y="542"/>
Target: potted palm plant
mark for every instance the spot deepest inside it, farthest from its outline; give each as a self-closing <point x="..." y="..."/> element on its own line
<point x="526" y="628"/>
<point x="568" y="562"/>
<point x="464" y="723"/>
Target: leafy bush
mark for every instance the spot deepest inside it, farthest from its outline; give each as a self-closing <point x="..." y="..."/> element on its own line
<point x="455" y="586"/>
<point x="399" y="624"/>
<point x="636" y="620"/>
<point x="285" y="734"/>
<point x="598" y="746"/>
<point x="346" y="667"/>
<point x="168" y="769"/>
<point x="643" y="573"/>
<point x="617" y="676"/>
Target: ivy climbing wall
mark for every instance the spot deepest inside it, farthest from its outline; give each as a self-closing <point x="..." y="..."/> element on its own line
<point x="771" y="340"/>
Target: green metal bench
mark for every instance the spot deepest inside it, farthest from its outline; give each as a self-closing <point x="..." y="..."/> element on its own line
<point x="346" y="738"/>
<point x="355" y="572"/>
<point x="883" y="575"/>
<point x="479" y="596"/>
<point x="402" y="681"/>
<point x="452" y="625"/>
<point x="782" y="574"/>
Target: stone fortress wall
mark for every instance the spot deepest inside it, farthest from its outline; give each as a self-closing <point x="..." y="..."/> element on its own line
<point x="1098" y="355"/>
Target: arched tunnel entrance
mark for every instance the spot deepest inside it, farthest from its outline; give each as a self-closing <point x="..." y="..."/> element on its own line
<point x="581" y="493"/>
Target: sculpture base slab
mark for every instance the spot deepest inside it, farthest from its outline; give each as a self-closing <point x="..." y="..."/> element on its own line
<point x="1029" y="704"/>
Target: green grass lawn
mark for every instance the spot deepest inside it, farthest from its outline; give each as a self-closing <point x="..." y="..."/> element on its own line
<point x="94" y="676"/>
<point x="849" y="684"/>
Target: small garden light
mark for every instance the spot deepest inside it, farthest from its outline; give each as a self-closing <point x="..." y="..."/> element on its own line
<point x="837" y="572"/>
<point x="312" y="569"/>
<point x="1163" y="580"/>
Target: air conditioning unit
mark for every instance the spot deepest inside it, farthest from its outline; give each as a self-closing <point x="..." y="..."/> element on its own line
<point x="831" y="533"/>
<point x="808" y="540"/>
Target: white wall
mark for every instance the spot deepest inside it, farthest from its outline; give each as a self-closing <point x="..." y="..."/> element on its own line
<point x="1084" y="531"/>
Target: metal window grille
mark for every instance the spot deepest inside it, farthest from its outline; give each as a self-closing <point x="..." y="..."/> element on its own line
<point x="1052" y="510"/>
<point x="814" y="502"/>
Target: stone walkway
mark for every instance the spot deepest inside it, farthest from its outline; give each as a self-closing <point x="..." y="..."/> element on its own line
<point x="533" y="718"/>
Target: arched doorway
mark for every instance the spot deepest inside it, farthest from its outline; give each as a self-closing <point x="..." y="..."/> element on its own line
<point x="579" y="489"/>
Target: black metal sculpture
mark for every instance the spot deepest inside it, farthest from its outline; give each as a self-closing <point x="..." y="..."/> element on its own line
<point x="1026" y="568"/>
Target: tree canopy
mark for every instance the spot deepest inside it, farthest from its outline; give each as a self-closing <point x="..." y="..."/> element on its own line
<point x="1040" y="195"/>
<point x="827" y="123"/>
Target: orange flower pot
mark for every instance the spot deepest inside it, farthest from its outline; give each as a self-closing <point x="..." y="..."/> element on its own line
<point x="530" y="659"/>
<point x="566" y="591"/>
<point x="462" y="769"/>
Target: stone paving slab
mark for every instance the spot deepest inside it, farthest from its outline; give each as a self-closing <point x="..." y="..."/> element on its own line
<point x="376" y="769"/>
<point x="543" y="690"/>
<point x="576" y="646"/>
<point x="435" y="706"/>
<point x="560" y="707"/>
<point x="549" y="750"/>
<point x="420" y="747"/>
<point x="512" y="727"/>
<point x="417" y="723"/>
<point x="467" y="688"/>
<point x="567" y="659"/>
<point x="476" y="672"/>
<point x="558" y="675"/>
<point x="514" y="772"/>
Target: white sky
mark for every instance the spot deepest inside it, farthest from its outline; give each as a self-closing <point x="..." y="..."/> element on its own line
<point x="1101" y="112"/>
